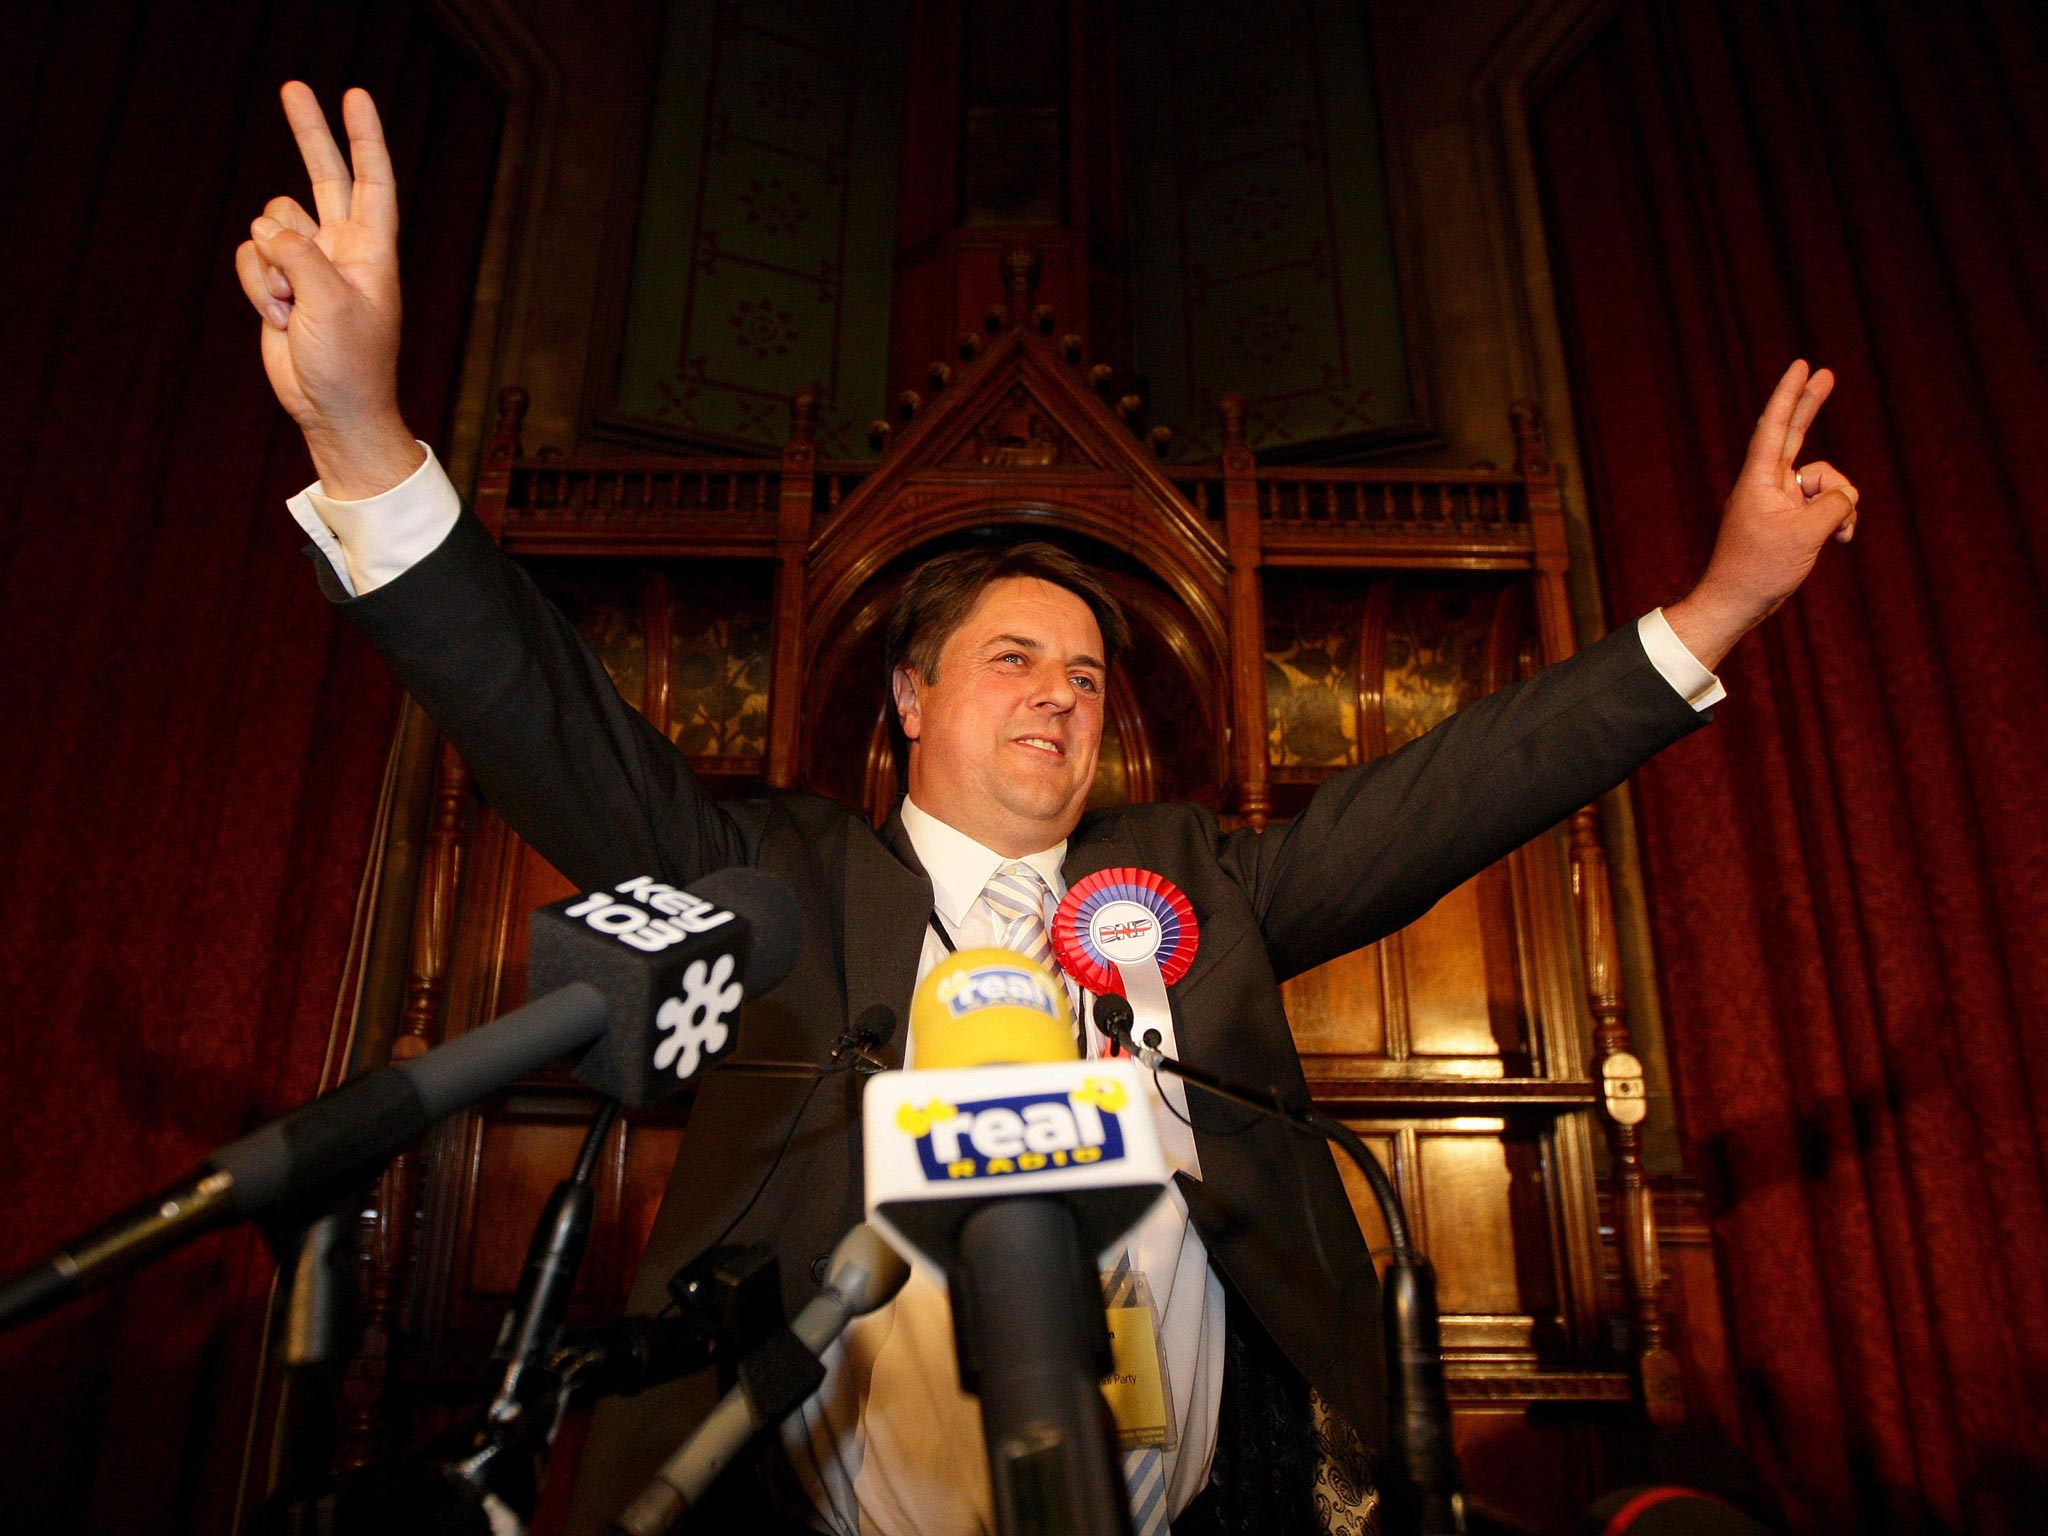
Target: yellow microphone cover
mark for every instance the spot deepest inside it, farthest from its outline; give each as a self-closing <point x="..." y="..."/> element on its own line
<point x="987" y="1007"/>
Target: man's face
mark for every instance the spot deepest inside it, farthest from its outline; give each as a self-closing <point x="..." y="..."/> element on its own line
<point x="1003" y="742"/>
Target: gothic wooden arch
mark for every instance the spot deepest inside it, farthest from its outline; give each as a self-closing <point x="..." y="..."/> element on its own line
<point x="1017" y="439"/>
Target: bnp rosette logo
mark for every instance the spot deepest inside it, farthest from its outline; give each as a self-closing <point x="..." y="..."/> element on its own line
<point x="1024" y="1133"/>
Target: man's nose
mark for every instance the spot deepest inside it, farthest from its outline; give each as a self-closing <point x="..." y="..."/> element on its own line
<point x="1055" y="689"/>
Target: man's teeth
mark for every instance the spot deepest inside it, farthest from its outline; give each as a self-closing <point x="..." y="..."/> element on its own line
<point x="1033" y="741"/>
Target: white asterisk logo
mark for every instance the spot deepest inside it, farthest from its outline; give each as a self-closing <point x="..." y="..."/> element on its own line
<point x="697" y="1018"/>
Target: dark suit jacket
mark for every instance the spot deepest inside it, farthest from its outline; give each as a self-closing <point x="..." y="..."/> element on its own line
<point x="604" y="796"/>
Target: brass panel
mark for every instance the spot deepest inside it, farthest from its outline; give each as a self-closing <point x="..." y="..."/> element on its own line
<point x="604" y="600"/>
<point x="719" y="629"/>
<point x="1311" y="663"/>
<point x="1436" y="647"/>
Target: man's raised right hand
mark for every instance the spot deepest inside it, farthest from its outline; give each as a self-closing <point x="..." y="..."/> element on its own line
<point x="328" y="295"/>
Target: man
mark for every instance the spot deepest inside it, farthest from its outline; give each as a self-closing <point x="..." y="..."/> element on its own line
<point x="998" y="665"/>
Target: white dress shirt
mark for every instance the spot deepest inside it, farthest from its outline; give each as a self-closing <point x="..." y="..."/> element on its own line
<point x="890" y="1445"/>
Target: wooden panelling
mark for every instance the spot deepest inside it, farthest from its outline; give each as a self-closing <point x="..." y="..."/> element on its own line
<point x="1338" y="1010"/>
<point x="1475" y="1192"/>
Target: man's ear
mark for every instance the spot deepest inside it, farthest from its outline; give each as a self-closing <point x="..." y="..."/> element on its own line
<point x="904" y="686"/>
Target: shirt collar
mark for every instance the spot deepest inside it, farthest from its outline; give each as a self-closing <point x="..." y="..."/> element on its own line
<point x="960" y="867"/>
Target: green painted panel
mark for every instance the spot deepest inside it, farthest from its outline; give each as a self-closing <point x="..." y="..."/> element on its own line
<point x="1262" y="259"/>
<point x="767" y="223"/>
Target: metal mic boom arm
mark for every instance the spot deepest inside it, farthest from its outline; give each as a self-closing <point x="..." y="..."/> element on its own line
<point x="1427" y="1462"/>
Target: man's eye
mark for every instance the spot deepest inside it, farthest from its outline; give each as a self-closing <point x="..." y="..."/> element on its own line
<point x="1083" y="681"/>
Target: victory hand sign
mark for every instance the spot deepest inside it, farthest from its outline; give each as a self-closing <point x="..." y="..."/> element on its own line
<point x="328" y="294"/>
<point x="1777" y="519"/>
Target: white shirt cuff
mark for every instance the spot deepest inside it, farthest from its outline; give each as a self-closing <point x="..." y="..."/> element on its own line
<point x="1681" y="669"/>
<point x="381" y="537"/>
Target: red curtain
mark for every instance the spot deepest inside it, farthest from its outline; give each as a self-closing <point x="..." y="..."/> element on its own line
<point x="194" y="743"/>
<point x="1849" y="875"/>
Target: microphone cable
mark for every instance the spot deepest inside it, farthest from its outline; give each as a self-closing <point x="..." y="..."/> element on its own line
<point x="872" y="1029"/>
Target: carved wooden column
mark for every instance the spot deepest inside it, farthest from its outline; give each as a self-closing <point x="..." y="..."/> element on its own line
<point x="1247" y="711"/>
<point x="385" y="1258"/>
<point x="1620" y="1072"/>
<point x="494" y="475"/>
<point x="792" y="551"/>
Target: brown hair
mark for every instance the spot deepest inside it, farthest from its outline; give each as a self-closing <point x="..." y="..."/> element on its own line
<point x="940" y="594"/>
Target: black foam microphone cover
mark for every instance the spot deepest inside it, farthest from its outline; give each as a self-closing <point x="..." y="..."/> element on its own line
<point x="774" y="921"/>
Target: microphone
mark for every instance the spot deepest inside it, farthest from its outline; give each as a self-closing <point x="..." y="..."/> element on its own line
<point x="858" y="1042"/>
<point x="983" y="1006"/>
<point x="864" y="1272"/>
<point x="992" y="1032"/>
<point x="673" y="966"/>
<point x="648" y="972"/>
<point x="1113" y="1016"/>
<point x="1010" y="1167"/>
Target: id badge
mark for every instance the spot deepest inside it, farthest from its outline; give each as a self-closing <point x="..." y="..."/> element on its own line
<point x="1136" y="1388"/>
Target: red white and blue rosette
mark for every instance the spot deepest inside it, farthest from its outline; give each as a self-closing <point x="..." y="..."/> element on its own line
<point x="1119" y="919"/>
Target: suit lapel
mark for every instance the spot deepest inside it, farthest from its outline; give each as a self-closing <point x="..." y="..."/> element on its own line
<point x="887" y="901"/>
<point x="1092" y="848"/>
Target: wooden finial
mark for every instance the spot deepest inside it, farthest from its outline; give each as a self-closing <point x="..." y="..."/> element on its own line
<point x="1042" y="317"/>
<point x="1099" y="376"/>
<point x="504" y="445"/>
<point x="1160" y="438"/>
<point x="1020" y="263"/>
<point x="1072" y="347"/>
<point x="907" y="404"/>
<point x="803" y="416"/>
<point x="800" y="453"/>
<point x="1231" y="410"/>
<point x="1129" y="406"/>
<point x="878" y="434"/>
<point x="1532" y="455"/>
<point x="940" y="374"/>
<point x="970" y="347"/>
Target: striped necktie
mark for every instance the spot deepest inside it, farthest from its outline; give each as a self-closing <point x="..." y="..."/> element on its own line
<point x="1016" y="894"/>
<point x="1018" y="897"/>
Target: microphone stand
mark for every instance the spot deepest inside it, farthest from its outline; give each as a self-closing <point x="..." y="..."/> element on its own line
<point x="521" y="1421"/>
<point x="1033" y="1344"/>
<point x="1430" y="1496"/>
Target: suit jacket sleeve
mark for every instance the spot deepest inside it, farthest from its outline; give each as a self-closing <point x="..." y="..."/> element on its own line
<point x="577" y="771"/>
<point x="1379" y="844"/>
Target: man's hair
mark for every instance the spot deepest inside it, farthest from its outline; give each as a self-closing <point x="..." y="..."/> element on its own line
<point x="940" y="594"/>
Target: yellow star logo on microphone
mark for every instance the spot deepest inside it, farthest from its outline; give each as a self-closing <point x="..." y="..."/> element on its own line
<point x="919" y="1122"/>
<point x="1105" y="1094"/>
